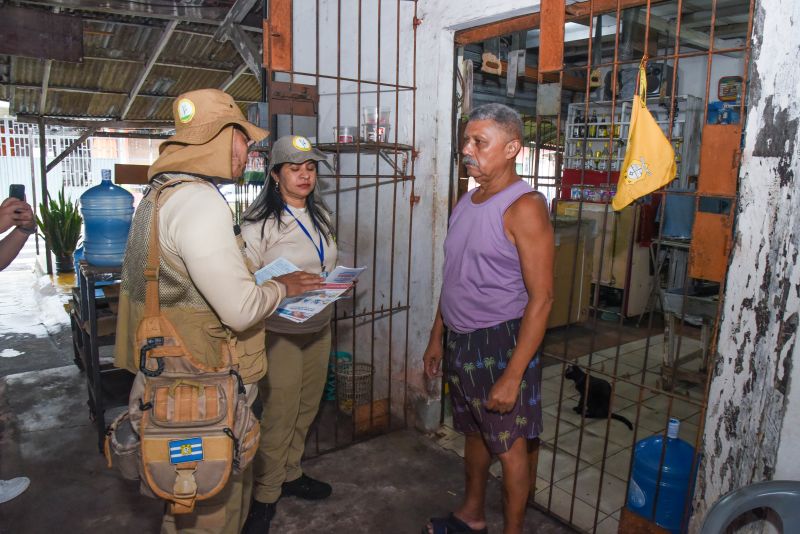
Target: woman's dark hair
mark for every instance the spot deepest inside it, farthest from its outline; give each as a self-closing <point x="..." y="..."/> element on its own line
<point x="269" y="204"/>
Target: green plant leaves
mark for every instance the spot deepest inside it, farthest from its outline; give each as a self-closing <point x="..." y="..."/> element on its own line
<point x="59" y="221"/>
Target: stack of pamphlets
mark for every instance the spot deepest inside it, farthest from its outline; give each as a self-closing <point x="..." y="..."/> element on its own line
<point x="302" y="307"/>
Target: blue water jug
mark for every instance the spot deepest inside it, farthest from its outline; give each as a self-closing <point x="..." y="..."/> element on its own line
<point x="107" y="211"/>
<point x="674" y="489"/>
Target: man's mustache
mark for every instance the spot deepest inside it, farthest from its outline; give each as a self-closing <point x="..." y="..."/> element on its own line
<point x="469" y="160"/>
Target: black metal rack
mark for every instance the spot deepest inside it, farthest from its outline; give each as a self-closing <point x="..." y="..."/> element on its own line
<point x="93" y="321"/>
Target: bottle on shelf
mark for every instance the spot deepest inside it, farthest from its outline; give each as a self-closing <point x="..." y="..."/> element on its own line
<point x="593" y="125"/>
<point x="602" y="129"/>
<point x="577" y="128"/>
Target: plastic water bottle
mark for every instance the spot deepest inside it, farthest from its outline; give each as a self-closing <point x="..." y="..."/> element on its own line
<point x="674" y="487"/>
<point x="107" y="211"/>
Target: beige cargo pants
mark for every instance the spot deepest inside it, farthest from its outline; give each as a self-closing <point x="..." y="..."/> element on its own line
<point x="290" y="393"/>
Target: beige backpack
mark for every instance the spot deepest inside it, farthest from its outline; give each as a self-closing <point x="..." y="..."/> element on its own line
<point x="193" y="423"/>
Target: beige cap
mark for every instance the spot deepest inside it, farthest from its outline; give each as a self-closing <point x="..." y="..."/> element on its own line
<point x="200" y="115"/>
<point x="294" y="149"/>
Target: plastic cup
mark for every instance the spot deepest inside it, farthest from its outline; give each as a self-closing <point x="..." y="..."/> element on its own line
<point x="375" y="124"/>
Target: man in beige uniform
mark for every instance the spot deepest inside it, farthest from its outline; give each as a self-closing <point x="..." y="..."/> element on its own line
<point x="205" y="286"/>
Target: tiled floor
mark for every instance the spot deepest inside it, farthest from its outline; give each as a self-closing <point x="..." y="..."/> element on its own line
<point x="604" y="463"/>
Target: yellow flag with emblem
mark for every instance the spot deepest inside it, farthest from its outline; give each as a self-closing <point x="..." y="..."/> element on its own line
<point x="649" y="157"/>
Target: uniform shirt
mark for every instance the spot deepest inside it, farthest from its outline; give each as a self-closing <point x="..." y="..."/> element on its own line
<point x="195" y="216"/>
<point x="291" y="243"/>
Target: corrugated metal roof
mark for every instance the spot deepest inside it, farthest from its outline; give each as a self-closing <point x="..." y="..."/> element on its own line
<point x="115" y="54"/>
<point x="126" y="41"/>
<point x="194" y="49"/>
<point x="174" y="81"/>
<point x="95" y="75"/>
<point x="150" y="108"/>
<point x="246" y="87"/>
<point x="26" y="101"/>
<point x="27" y="71"/>
<point x="60" y="103"/>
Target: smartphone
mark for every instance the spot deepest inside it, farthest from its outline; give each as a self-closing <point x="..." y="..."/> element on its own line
<point x="17" y="191"/>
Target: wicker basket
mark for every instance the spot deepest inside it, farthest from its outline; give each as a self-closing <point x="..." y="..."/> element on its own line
<point x="353" y="384"/>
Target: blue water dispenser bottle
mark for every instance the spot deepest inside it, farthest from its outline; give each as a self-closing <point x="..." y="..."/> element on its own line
<point x="107" y="211"/>
<point x="674" y="485"/>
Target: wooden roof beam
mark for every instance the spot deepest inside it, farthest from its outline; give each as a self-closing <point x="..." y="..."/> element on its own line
<point x="688" y="36"/>
<point x="162" y="42"/>
<point x="48" y="65"/>
<point x="575" y="12"/>
<point x="571" y="83"/>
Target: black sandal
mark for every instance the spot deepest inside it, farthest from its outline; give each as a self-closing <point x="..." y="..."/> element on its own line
<point x="451" y="525"/>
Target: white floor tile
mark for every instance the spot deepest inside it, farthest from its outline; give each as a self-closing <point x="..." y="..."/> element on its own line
<point x="588" y="485"/>
<point x="591" y="447"/>
<point x="565" y="464"/>
<point x="649" y="419"/>
<point x="617" y="431"/>
<point x="618" y="464"/>
<point x="549" y="424"/>
<point x="582" y="514"/>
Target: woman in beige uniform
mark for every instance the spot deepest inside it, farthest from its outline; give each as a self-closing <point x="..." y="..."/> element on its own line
<point x="288" y="220"/>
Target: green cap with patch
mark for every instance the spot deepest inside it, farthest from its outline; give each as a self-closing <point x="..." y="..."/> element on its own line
<point x="294" y="149"/>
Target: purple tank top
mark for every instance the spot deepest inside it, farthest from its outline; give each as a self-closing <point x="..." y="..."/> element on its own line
<point x="482" y="284"/>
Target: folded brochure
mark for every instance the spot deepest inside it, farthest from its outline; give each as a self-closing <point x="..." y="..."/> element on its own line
<point x="302" y="307"/>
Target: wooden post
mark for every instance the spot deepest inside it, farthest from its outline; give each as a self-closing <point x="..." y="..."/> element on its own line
<point x="43" y="170"/>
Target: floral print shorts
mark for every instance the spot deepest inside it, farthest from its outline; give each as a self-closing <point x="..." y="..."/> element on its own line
<point x="474" y="362"/>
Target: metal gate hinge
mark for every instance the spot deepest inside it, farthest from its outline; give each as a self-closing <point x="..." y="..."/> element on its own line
<point x="417" y="21"/>
<point x="414" y="199"/>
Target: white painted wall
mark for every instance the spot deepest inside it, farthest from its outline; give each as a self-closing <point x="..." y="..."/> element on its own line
<point x="339" y="53"/>
<point x="435" y="45"/>
<point x="692" y="73"/>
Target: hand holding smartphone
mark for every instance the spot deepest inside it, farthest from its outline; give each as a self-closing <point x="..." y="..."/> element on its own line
<point x="16" y="211"/>
<point x="17" y="191"/>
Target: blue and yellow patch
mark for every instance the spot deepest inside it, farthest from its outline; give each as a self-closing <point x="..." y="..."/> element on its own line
<point x="185" y="450"/>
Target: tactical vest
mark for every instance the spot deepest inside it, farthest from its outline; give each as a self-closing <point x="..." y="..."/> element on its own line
<point x="181" y="302"/>
<point x="188" y="405"/>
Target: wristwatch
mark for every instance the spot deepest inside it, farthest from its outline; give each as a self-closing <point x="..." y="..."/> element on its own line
<point x="27" y="231"/>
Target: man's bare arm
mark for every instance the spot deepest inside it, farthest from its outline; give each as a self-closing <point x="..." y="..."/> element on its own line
<point x="527" y="224"/>
<point x="434" y="352"/>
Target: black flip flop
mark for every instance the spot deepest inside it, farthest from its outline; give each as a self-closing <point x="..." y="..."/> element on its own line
<point x="451" y="525"/>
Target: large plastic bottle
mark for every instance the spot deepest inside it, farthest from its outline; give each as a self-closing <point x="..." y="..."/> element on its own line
<point x="674" y="489"/>
<point x="107" y="211"/>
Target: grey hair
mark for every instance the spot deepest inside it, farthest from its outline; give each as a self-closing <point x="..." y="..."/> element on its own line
<point x="507" y="118"/>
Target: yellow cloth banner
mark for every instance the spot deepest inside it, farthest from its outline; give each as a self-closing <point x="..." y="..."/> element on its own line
<point x="649" y="158"/>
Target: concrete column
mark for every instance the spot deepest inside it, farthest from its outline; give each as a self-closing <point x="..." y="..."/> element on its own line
<point x="751" y="426"/>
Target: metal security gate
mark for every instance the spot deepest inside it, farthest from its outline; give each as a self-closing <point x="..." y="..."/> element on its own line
<point x="340" y="79"/>
<point x="638" y="292"/>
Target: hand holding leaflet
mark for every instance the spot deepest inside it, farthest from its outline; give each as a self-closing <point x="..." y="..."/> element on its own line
<point x="299" y="309"/>
<point x="276" y="268"/>
<point x="344" y="275"/>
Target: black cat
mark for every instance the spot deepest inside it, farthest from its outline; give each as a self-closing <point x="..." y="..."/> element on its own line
<point x="598" y="398"/>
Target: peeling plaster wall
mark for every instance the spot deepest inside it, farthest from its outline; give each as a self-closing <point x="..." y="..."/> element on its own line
<point x="753" y="406"/>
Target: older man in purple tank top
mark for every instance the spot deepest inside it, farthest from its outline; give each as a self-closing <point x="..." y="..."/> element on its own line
<point x="496" y="296"/>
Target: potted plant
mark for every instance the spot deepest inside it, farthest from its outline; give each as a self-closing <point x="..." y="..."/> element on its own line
<point x="60" y="223"/>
